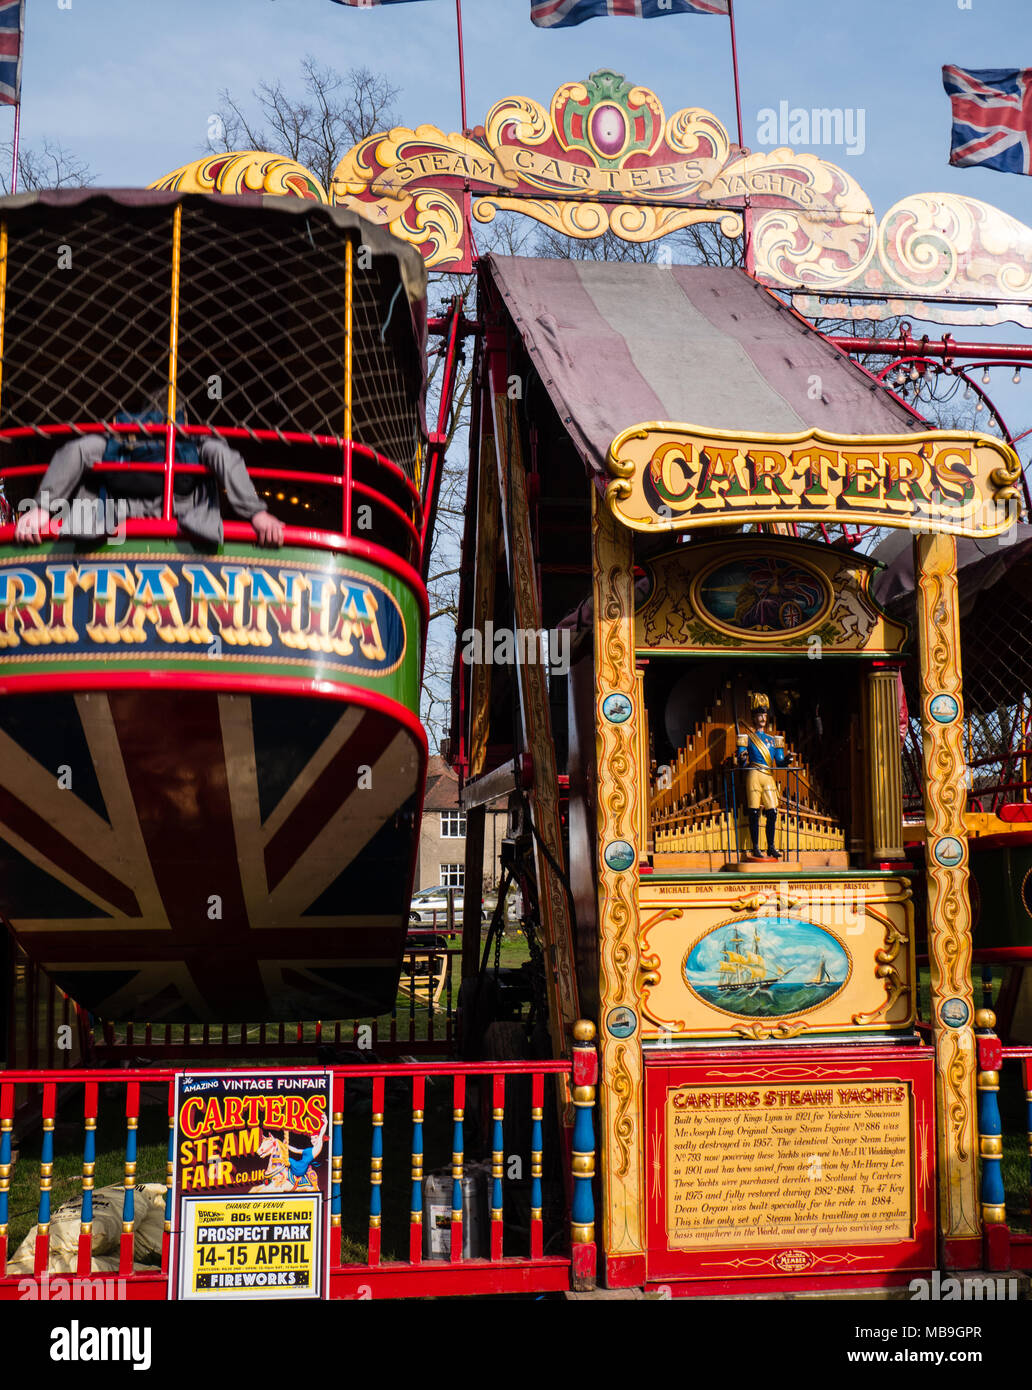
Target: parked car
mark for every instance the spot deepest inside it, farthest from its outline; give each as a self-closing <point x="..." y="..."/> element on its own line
<point x="429" y="907"/>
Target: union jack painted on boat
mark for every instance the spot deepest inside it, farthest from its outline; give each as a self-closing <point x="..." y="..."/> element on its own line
<point x="12" y="27"/>
<point x="562" y="14"/>
<point x="992" y="117"/>
<point x="223" y="855"/>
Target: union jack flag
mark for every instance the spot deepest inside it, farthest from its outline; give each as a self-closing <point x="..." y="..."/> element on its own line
<point x="12" y="27"/>
<point x="562" y="14"/>
<point x="992" y="117"/>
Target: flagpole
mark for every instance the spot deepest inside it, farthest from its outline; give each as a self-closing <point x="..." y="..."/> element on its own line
<point x="462" y="64"/>
<point x="734" y="66"/>
<point x="14" y="157"/>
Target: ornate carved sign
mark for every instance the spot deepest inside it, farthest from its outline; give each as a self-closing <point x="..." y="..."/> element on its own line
<point x="672" y="477"/>
<point x="605" y="157"/>
<point x="703" y="598"/>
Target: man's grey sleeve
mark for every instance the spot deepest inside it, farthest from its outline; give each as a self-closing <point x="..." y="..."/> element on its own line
<point x="231" y="470"/>
<point x="71" y="461"/>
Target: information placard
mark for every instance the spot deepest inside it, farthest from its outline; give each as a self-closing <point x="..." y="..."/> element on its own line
<point x="787" y="1162"/>
<point x="770" y="1164"/>
<point x="248" y="1247"/>
<point x="251" y="1184"/>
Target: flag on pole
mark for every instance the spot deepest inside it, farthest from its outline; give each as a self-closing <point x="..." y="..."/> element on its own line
<point x="12" y="27"/>
<point x="992" y="117"/>
<point x="561" y="14"/>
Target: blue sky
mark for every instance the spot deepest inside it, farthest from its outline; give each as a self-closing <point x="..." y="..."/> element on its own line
<point x="129" y="84"/>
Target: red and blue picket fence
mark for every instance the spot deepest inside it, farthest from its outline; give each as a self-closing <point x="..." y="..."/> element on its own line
<point x="540" y="1206"/>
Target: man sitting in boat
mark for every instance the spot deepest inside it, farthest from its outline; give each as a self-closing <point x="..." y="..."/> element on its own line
<point x="77" y="469"/>
<point x="761" y="752"/>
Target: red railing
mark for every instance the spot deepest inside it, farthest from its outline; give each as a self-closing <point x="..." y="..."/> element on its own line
<point x="513" y="1197"/>
<point x="365" y="474"/>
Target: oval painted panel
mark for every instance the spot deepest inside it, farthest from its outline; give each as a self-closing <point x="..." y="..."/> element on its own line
<point x="608" y="129"/>
<point x="763" y="595"/>
<point x="766" y="967"/>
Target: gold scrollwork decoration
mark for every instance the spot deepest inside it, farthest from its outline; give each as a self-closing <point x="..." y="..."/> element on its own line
<point x="756" y="1032"/>
<point x="697" y="132"/>
<point x="433" y="219"/>
<point x="641" y="222"/>
<point x="580" y="220"/>
<point x="896" y="986"/>
<point x="648" y="968"/>
<point x="525" y="118"/>
<point x="244" y="171"/>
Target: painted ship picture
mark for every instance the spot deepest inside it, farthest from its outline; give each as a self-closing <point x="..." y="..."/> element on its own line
<point x="767" y="967"/>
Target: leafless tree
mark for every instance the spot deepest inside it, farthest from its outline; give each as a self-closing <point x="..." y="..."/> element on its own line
<point x="506" y="235"/>
<point x="47" y="165"/>
<point x="705" y="244"/>
<point x="317" y="126"/>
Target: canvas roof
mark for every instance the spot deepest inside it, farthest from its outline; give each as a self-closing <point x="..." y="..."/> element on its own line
<point x="620" y="343"/>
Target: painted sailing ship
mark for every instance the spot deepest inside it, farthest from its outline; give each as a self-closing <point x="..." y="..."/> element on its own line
<point x="822" y="975"/>
<point x="743" y="969"/>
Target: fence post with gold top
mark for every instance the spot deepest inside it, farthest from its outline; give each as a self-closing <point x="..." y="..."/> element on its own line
<point x="995" y="1234"/>
<point x="582" y="1211"/>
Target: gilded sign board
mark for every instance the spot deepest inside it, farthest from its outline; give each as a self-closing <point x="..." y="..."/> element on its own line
<point x="779" y="596"/>
<point x="604" y="158"/>
<point x="158" y="608"/>
<point x="790" y="1163"/>
<point x="674" y="477"/>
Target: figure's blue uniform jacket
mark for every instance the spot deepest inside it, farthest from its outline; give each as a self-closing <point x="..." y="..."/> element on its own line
<point x="763" y="750"/>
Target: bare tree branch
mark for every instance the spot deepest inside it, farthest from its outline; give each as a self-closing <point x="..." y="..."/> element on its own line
<point x="48" y="165"/>
<point x="317" y="126"/>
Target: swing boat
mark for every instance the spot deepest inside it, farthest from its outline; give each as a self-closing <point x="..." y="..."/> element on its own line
<point x="213" y="761"/>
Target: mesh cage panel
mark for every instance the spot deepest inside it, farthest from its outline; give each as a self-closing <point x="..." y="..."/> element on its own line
<point x="262" y="318"/>
<point x="996" y="664"/>
<point x="86" y="329"/>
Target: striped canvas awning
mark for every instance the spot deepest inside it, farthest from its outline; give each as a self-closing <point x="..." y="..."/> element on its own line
<point x="616" y="344"/>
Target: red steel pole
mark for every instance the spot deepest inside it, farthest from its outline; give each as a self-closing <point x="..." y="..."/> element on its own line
<point x="462" y="64"/>
<point x="14" y="155"/>
<point x="734" y="67"/>
<point x="908" y="346"/>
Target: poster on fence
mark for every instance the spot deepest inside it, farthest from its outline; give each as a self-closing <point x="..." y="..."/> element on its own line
<point x="251" y="1184"/>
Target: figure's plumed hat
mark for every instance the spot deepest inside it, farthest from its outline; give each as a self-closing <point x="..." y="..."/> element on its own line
<point x="757" y="701"/>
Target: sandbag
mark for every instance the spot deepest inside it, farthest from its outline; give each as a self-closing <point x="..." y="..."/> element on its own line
<point x="148" y="1231"/>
